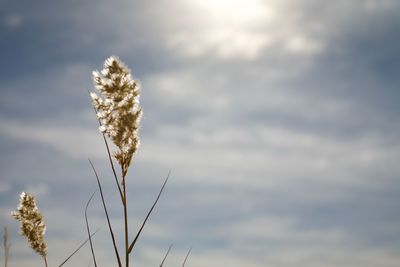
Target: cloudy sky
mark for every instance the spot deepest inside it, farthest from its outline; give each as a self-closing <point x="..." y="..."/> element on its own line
<point x="278" y="119"/>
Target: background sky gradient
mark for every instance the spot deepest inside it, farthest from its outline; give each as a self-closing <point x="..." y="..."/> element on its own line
<point x="280" y="121"/>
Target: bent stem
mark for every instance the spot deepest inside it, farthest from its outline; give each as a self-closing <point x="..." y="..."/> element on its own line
<point x="106" y="212"/>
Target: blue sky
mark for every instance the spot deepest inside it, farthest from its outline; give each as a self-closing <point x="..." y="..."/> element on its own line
<point x="279" y="121"/>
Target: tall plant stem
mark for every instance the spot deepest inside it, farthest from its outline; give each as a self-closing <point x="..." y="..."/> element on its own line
<point x="125" y="222"/>
<point x="45" y="260"/>
<point x="106" y="212"/>
<point x="6" y="246"/>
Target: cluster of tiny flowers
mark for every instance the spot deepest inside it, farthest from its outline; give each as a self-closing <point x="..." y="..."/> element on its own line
<point x="32" y="224"/>
<point x="118" y="108"/>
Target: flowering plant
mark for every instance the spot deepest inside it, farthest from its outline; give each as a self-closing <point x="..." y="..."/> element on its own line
<point x="119" y="113"/>
<point x="32" y="224"/>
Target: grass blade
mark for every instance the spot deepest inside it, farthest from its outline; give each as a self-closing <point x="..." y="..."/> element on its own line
<point x="106" y="212"/>
<point x="166" y="255"/>
<point x="148" y="214"/>
<point x="88" y="229"/>
<point x="76" y="250"/>
<point x="187" y="255"/>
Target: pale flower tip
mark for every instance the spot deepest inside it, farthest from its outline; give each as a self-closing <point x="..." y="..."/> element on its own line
<point x="104" y="72"/>
<point x="110" y="61"/>
<point x="102" y="129"/>
<point x="93" y="96"/>
<point x="95" y="74"/>
<point x="113" y="58"/>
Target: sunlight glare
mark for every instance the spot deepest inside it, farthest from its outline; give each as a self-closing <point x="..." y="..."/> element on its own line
<point x="237" y="12"/>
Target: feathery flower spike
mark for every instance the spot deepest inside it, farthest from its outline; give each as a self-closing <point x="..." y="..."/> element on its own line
<point x="118" y="108"/>
<point x="32" y="224"/>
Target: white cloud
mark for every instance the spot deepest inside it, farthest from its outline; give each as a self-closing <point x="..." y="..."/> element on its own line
<point x="74" y="141"/>
<point x="226" y="144"/>
<point x="37" y="189"/>
<point x="5" y="186"/>
<point x="376" y="5"/>
<point x="258" y="156"/>
<point x="302" y="45"/>
<point x="279" y="230"/>
<point x="225" y="44"/>
<point x="12" y="21"/>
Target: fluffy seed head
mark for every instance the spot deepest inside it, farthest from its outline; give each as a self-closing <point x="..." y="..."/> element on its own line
<point x="118" y="108"/>
<point x="32" y="224"/>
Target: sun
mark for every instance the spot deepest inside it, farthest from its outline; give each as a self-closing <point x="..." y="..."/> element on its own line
<point x="236" y="12"/>
<point x="238" y="29"/>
